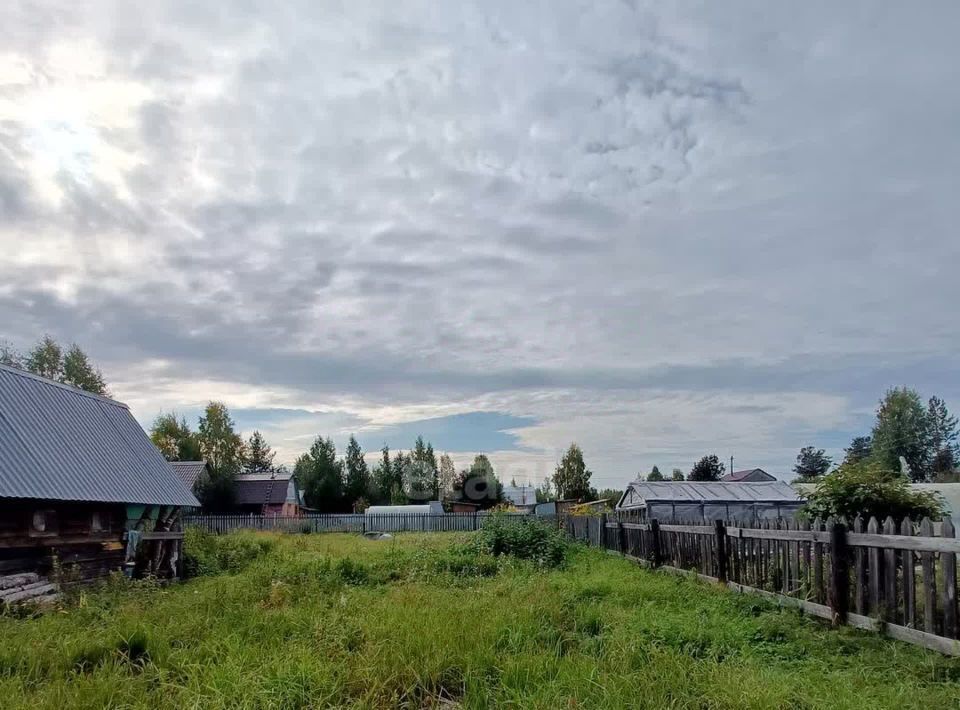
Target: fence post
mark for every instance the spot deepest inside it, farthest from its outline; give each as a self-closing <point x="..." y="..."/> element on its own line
<point x="839" y="573"/>
<point x="621" y="537"/>
<point x="721" y="551"/>
<point x="655" y="542"/>
<point x="602" y="537"/>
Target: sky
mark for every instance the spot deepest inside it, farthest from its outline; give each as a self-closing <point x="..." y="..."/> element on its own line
<point x="660" y="230"/>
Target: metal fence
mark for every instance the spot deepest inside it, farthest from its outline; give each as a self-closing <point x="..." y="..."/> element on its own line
<point x="896" y="579"/>
<point x="359" y="522"/>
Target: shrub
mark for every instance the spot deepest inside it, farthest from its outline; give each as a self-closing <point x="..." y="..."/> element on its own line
<point x="523" y="538"/>
<point x="866" y="490"/>
<point x="206" y="553"/>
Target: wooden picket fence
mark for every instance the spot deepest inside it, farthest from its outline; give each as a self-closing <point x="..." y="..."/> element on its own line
<point x="900" y="580"/>
<point x="359" y="522"/>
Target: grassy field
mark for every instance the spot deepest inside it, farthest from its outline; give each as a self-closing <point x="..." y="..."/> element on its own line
<point x="422" y="620"/>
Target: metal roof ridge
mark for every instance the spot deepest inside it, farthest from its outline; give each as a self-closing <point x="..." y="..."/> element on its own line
<point x="62" y="385"/>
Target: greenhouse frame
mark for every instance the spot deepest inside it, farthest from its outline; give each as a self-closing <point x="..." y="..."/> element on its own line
<point x="707" y="501"/>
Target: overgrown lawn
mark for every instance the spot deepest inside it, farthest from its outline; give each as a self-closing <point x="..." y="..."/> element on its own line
<point x="442" y="619"/>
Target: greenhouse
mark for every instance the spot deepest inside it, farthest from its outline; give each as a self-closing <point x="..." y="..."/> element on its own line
<point x="707" y="501"/>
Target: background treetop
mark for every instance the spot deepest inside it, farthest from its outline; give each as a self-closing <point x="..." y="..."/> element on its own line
<point x="48" y="359"/>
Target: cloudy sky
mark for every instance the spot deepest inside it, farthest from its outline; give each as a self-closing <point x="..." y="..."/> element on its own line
<point x="657" y="229"/>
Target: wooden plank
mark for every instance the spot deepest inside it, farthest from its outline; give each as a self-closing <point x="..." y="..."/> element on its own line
<point x="818" y="563"/>
<point x="860" y="567"/>
<point x="762" y="533"/>
<point x="946" y="646"/>
<point x="929" y="583"/>
<point x="899" y="542"/>
<point x="909" y="586"/>
<point x="839" y="597"/>
<point x="890" y="574"/>
<point x="949" y="562"/>
<point x="876" y="587"/>
<point x="693" y="529"/>
<point x="163" y="535"/>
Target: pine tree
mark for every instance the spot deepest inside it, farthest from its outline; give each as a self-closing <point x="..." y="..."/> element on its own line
<point x="655" y="474"/>
<point x="383" y="478"/>
<point x="943" y="437"/>
<point x="400" y="465"/>
<point x="321" y="475"/>
<point x="677" y="475"/>
<point x="709" y="468"/>
<point x="479" y="483"/>
<point x="259" y="455"/>
<point x="357" y="484"/>
<point x="812" y="463"/>
<point x="859" y="450"/>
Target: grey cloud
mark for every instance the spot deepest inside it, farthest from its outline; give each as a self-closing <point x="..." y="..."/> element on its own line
<point x="415" y="204"/>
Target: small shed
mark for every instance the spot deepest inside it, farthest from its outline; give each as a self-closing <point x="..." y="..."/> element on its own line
<point x="433" y="507"/>
<point x="709" y="500"/>
<point x="749" y="475"/>
<point x="81" y="484"/>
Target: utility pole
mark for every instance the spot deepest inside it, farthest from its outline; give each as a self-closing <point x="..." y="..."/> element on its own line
<point x="731" y="464"/>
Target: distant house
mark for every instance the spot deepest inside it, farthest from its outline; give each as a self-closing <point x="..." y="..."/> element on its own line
<point x="520" y="496"/>
<point x="749" y="475"/>
<point x="271" y="493"/>
<point x="80" y="482"/>
<point x="709" y="500"/>
<point x="462" y="506"/>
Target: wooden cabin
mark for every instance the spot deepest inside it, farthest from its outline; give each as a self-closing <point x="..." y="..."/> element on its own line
<point x="83" y="491"/>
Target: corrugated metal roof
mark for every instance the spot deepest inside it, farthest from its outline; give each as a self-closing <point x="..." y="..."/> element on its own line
<point x="261" y="489"/>
<point x="189" y="471"/>
<point x="60" y="443"/>
<point x="715" y="491"/>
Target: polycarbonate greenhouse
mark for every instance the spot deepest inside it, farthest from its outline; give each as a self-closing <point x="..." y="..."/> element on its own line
<point x="708" y="501"/>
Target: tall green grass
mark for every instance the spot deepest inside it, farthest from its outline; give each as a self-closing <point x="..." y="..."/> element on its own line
<point x="428" y="620"/>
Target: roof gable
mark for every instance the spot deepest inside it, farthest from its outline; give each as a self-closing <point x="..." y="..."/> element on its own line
<point x="750" y="474"/>
<point x="189" y="471"/>
<point x="58" y="442"/>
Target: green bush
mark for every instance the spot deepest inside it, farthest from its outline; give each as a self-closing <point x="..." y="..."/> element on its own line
<point x="523" y="538"/>
<point x="206" y="553"/>
<point x="868" y="491"/>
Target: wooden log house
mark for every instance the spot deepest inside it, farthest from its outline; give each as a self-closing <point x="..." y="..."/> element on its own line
<point x="83" y="491"/>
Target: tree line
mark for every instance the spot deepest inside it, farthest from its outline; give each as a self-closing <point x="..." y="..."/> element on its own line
<point x="334" y="484"/>
<point x="914" y="439"/>
<point x="911" y="438"/>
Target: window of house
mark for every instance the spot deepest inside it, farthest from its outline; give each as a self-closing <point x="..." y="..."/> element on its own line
<point x="44" y="522"/>
<point x="97" y="522"/>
